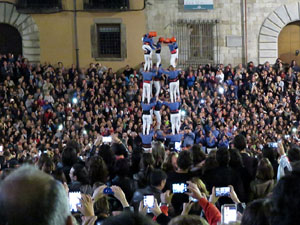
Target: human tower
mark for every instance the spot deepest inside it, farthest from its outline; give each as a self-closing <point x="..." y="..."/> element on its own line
<point x="153" y="75"/>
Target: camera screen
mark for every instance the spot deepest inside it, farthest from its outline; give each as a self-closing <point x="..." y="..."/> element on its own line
<point x="106" y="139"/>
<point x="229" y="214"/>
<point x="178" y="146"/>
<point x="149" y="201"/>
<point x="222" y="191"/>
<point x="74" y="200"/>
<point x="179" y="188"/>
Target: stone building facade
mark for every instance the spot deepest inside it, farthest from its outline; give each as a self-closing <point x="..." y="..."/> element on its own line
<point x="242" y="30"/>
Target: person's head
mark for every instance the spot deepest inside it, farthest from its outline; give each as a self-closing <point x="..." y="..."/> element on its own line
<point x="171" y="162"/>
<point x="223" y="156"/>
<point x="185" y="160"/>
<point x="200" y="185"/>
<point x="285" y="202"/>
<point x="30" y="196"/>
<point x="256" y="213"/>
<point x="79" y="173"/>
<point x="97" y="170"/>
<point x="158" y="152"/>
<point x="198" y="154"/>
<point x="294" y="154"/>
<point x="240" y="142"/>
<point x="264" y="170"/>
<point x="158" y="178"/>
<point x="69" y="156"/>
<point x="128" y="218"/>
<point x="122" y="168"/>
<point x="188" y="220"/>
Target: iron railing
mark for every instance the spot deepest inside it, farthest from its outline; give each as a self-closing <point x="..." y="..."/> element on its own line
<point x="195" y="40"/>
<point x="107" y="5"/>
<point x="35" y="6"/>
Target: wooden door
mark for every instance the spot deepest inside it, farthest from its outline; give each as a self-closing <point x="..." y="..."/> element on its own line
<point x="289" y="43"/>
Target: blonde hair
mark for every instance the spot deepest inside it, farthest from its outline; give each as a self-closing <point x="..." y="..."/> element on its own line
<point x="200" y="185"/>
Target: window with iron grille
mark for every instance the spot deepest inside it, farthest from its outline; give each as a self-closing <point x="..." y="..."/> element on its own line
<point x="196" y="42"/>
<point x="107" y="4"/>
<point x="109" y="40"/>
<point x="36" y="5"/>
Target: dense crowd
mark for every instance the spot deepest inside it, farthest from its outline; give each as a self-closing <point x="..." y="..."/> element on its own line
<point x="83" y="126"/>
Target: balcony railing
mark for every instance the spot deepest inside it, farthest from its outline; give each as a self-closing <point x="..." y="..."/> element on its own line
<point x="38" y="6"/>
<point x="106" y="5"/>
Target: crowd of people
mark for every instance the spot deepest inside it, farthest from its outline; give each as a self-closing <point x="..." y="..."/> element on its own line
<point x="238" y="129"/>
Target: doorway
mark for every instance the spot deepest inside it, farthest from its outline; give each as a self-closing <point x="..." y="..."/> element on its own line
<point x="10" y="40"/>
<point x="289" y="43"/>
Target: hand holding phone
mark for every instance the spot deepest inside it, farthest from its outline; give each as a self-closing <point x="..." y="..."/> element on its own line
<point x="149" y="202"/>
<point x="74" y="200"/>
<point x="179" y="188"/>
<point x="229" y="213"/>
<point x="222" y="191"/>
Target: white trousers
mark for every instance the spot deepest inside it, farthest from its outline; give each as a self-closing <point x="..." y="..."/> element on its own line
<point x="158" y="119"/>
<point x="151" y="62"/>
<point x="157" y="87"/>
<point x="173" y="60"/>
<point x="173" y="90"/>
<point x="146" y="92"/>
<point x="158" y="59"/>
<point x="146" y="124"/>
<point x="147" y="57"/>
<point x="175" y="123"/>
<point x="151" y="87"/>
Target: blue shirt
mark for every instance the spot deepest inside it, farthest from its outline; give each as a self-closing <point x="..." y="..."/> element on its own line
<point x="190" y="81"/>
<point x="147" y="76"/>
<point x="171" y="47"/>
<point x="173" y="106"/>
<point x="147" y="139"/>
<point x="175" y="137"/>
<point x="172" y="74"/>
<point x="188" y="139"/>
<point x="158" y="106"/>
<point x="147" y="107"/>
<point x="158" y="47"/>
<point x="148" y="40"/>
<point x="211" y="142"/>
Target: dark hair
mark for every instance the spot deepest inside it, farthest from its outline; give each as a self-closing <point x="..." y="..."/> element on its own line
<point x="128" y="218"/>
<point x="285" y="201"/>
<point x="81" y="173"/>
<point x="198" y="154"/>
<point x="264" y="170"/>
<point x="97" y="170"/>
<point x="59" y="175"/>
<point x="294" y="154"/>
<point x="69" y="157"/>
<point x="122" y="167"/>
<point x="167" y="165"/>
<point x="119" y="149"/>
<point x="185" y="160"/>
<point x="157" y="176"/>
<point x="223" y="156"/>
<point x="240" y="142"/>
<point x="256" y="213"/>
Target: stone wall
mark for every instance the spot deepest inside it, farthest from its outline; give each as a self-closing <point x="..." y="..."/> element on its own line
<point x="162" y="13"/>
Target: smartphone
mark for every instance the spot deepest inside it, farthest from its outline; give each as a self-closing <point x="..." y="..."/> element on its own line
<point x="149" y="201"/>
<point x="286" y="136"/>
<point x="229" y="213"/>
<point x="1" y="148"/>
<point x="74" y="200"/>
<point x="273" y="145"/>
<point x="178" y="146"/>
<point x="179" y="188"/>
<point x="222" y="191"/>
<point x="107" y="139"/>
